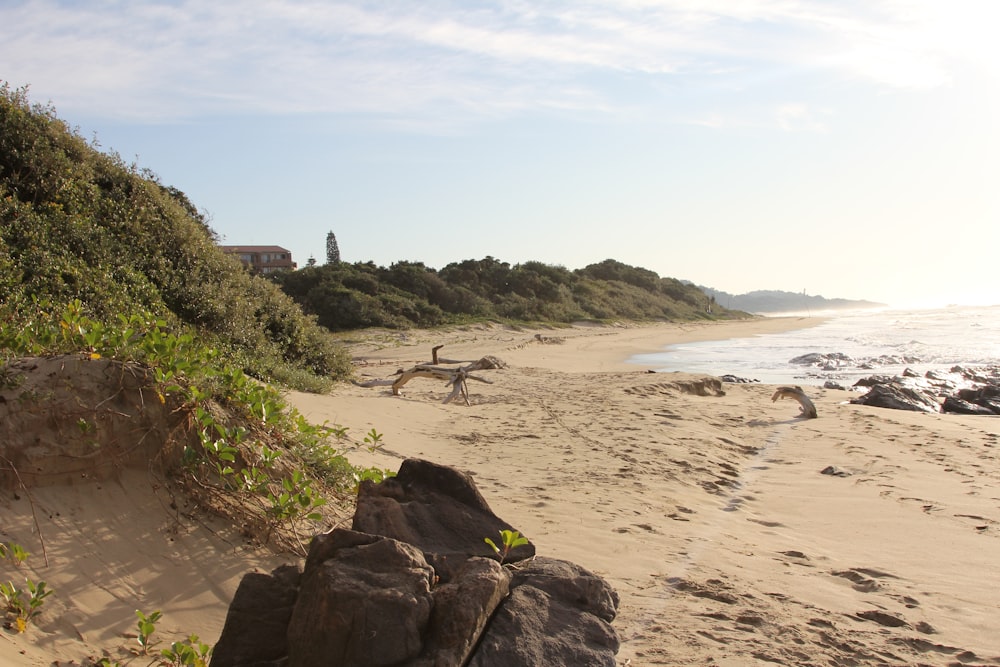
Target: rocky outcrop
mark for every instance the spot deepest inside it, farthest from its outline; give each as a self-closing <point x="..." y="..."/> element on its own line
<point x="835" y="361"/>
<point x="559" y="613"/>
<point x="412" y="585"/>
<point x="960" y="391"/>
<point x="435" y="508"/>
<point x="896" y="394"/>
<point x="263" y="603"/>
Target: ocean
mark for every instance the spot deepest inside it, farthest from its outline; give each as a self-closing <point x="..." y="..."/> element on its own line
<point x="855" y="344"/>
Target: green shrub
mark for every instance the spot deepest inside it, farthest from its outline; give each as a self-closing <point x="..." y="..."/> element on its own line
<point x="76" y="223"/>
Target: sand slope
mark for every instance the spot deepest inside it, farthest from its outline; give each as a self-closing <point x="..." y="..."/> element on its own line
<point x="114" y="547"/>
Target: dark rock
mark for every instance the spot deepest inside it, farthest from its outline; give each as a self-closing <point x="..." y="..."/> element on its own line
<point x="955" y="405"/>
<point x="987" y="397"/>
<point x="367" y="603"/>
<point x="254" y="634"/>
<point x="873" y="380"/>
<point x="896" y="396"/>
<point x="829" y="362"/>
<point x="936" y="391"/>
<point x="435" y="508"/>
<point x="811" y="359"/>
<point x="733" y="379"/>
<point x="557" y="614"/>
<point x="370" y="599"/>
<point x="835" y="471"/>
<point x="462" y="608"/>
<point x="830" y="384"/>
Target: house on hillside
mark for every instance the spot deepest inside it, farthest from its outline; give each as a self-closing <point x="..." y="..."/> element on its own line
<point x="262" y="258"/>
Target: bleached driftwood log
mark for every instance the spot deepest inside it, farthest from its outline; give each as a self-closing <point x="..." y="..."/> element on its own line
<point x="456" y="377"/>
<point x="808" y="410"/>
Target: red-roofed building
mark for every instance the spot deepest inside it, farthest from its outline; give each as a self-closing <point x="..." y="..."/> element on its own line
<point x="262" y="258"/>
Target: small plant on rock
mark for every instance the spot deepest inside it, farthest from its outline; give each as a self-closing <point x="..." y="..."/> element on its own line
<point x="188" y="653"/>
<point x="510" y="540"/>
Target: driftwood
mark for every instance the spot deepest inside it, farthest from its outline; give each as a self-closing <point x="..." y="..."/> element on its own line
<point x="456" y="377"/>
<point x="808" y="410"/>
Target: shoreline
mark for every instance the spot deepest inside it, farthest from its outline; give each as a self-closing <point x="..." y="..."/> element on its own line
<point x="584" y="347"/>
<point x="709" y="511"/>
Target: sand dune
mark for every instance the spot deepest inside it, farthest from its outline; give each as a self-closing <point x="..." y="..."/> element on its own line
<point x="735" y="532"/>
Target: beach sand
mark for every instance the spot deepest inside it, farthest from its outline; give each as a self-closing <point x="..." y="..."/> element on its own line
<point x="735" y="532"/>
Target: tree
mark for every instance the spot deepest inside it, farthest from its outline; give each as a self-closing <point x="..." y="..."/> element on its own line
<point x="332" y="251"/>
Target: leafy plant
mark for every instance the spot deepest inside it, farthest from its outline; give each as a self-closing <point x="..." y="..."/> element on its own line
<point x="146" y="626"/>
<point x="187" y="653"/>
<point x="372" y="474"/>
<point x="104" y="662"/>
<point x="15" y="552"/>
<point x="373" y="440"/>
<point x="297" y="498"/>
<point x="24" y="607"/>
<point x="509" y="539"/>
<point x="237" y="428"/>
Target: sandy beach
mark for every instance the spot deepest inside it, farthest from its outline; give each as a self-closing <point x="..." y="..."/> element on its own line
<point x="735" y="532"/>
<point x="710" y="514"/>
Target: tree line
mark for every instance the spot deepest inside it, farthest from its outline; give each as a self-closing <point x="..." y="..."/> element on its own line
<point x="345" y="296"/>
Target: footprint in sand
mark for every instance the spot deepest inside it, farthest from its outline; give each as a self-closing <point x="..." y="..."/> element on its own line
<point x="980" y="523"/>
<point x="883" y="618"/>
<point x="713" y="589"/>
<point x="793" y="557"/>
<point x="767" y="524"/>
<point x="864" y="579"/>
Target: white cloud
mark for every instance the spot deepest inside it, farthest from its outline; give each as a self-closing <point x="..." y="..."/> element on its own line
<point x="798" y="117"/>
<point x="168" y="60"/>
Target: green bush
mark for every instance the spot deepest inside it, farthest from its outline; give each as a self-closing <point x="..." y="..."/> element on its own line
<point x="76" y="223"/>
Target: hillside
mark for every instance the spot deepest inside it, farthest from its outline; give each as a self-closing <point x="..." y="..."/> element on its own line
<point x="409" y="294"/>
<point x="777" y="301"/>
<point x="76" y="223"/>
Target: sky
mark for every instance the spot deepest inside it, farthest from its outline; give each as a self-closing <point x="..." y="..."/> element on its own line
<point x="844" y="148"/>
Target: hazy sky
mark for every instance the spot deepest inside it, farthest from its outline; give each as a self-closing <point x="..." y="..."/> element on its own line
<point x="847" y="148"/>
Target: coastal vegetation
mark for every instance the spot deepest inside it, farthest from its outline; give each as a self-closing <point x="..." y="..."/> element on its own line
<point x="346" y="296"/>
<point x="79" y="224"/>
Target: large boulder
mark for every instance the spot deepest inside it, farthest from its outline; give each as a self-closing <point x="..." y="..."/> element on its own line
<point x="462" y="609"/>
<point x="365" y="600"/>
<point x="959" y="406"/>
<point x="256" y="628"/>
<point x="959" y="391"/>
<point x="435" y="508"/>
<point x="897" y="396"/>
<point x="557" y="614"/>
<point x="431" y="600"/>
